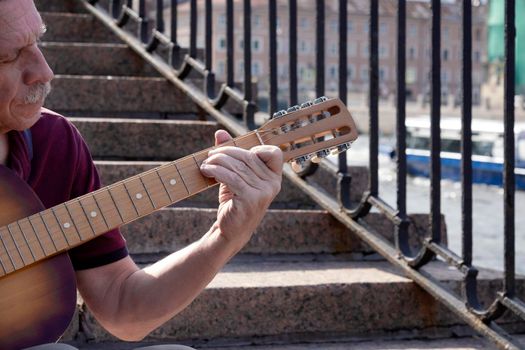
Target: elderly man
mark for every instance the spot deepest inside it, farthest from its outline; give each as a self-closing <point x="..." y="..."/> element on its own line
<point x="127" y="301"/>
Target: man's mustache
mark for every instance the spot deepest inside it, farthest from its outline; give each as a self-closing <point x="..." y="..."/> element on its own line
<point x="37" y="92"/>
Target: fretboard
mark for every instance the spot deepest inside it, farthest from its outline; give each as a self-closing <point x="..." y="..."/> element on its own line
<point x="77" y="221"/>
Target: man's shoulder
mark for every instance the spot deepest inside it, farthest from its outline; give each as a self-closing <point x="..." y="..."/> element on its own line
<point x="51" y="123"/>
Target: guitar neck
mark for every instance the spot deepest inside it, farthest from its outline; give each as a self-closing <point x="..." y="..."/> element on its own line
<point x="77" y="221"/>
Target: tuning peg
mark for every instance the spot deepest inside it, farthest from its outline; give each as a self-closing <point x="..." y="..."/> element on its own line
<point x="299" y="123"/>
<point x="320" y="155"/>
<point x="278" y="114"/>
<point x="293" y="109"/>
<point x="320" y="99"/>
<point x="341" y="148"/>
<point x="298" y="163"/>
<point x="285" y="128"/>
<point x="307" y="104"/>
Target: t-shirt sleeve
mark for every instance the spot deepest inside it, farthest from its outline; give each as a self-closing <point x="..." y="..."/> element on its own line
<point x="108" y="247"/>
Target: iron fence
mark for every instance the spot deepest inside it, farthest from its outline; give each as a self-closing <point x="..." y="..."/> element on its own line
<point x="147" y="40"/>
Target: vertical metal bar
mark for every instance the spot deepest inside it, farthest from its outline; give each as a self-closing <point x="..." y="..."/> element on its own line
<point x="466" y="134"/>
<point x="230" y="44"/>
<point x="193" y="28"/>
<point x="115" y="8"/>
<point x="248" y="96"/>
<point x="210" y="77"/>
<point x="509" y="160"/>
<point x="319" y="53"/>
<point x="402" y="229"/>
<point x="273" y="55"/>
<point x="292" y="58"/>
<point x="343" y="71"/>
<point x="174" y="22"/>
<point x="374" y="97"/>
<point x="435" y="119"/>
<point x="143" y="24"/>
<point x="160" y="16"/>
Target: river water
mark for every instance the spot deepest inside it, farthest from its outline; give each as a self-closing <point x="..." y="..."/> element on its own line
<point x="487" y="210"/>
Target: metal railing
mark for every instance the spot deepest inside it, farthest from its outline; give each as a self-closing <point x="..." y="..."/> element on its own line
<point x="178" y="70"/>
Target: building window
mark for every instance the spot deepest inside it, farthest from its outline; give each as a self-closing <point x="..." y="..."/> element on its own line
<point x="221" y="68"/>
<point x="303" y="46"/>
<point x="241" y="44"/>
<point x="383" y="51"/>
<point x="256" y="45"/>
<point x="222" y="43"/>
<point x="333" y="72"/>
<point x="352" y="49"/>
<point x="350" y="72"/>
<point x="383" y="74"/>
<point x="383" y="28"/>
<point x="445" y="55"/>
<point x="256" y="68"/>
<point x="349" y="26"/>
<point x="412" y="53"/>
<point x="222" y="20"/>
<point x="256" y="21"/>
<point x="364" y="74"/>
<point x="364" y="50"/>
<point x="477" y="57"/>
<point x="304" y="22"/>
<point x="412" y="30"/>
<point x="366" y="27"/>
<point x="333" y="49"/>
<point x="477" y="34"/>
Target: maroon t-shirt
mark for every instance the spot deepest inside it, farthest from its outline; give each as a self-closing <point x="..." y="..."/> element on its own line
<point x="62" y="169"/>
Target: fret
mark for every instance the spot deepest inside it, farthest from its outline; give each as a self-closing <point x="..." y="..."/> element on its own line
<point x="60" y="226"/>
<point x="27" y="242"/>
<point x="181" y="177"/>
<point x="2" y="265"/>
<point x="136" y="193"/>
<point x="131" y="199"/>
<point x="93" y="214"/>
<point x="39" y="236"/>
<point x="87" y="217"/>
<point x="102" y="215"/>
<point x="126" y="207"/>
<point x="53" y="226"/>
<point x="191" y="173"/>
<point x="111" y="213"/>
<point x="164" y="186"/>
<point x="37" y="250"/>
<point x="115" y="204"/>
<point x="199" y="158"/>
<point x="40" y="215"/>
<point x="11" y="260"/>
<point x="73" y="220"/>
<point x="66" y="225"/>
<point x="13" y="238"/>
<point x="156" y="189"/>
<point x="147" y="193"/>
<point x="36" y="236"/>
<point x="170" y="176"/>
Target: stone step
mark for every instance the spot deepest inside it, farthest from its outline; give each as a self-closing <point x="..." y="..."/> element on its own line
<point x="60" y="6"/>
<point x="132" y="139"/>
<point x="95" y="59"/>
<point x="114" y="96"/>
<point x="76" y="27"/>
<point x="281" y="300"/>
<point x="111" y="172"/>
<point x="280" y="232"/>
<point x="450" y="343"/>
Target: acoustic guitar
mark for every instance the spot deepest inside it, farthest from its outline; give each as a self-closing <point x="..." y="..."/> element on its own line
<point x="37" y="281"/>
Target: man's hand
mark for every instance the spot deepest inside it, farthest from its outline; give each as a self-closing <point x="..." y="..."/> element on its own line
<point x="250" y="180"/>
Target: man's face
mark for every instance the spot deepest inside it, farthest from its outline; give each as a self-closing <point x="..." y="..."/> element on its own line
<point x="24" y="74"/>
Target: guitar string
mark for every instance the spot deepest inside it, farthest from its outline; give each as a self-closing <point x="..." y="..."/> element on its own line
<point x="263" y="134"/>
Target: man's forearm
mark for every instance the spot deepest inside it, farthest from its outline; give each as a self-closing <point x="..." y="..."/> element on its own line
<point x="151" y="296"/>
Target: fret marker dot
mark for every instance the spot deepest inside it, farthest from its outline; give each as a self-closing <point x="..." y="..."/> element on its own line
<point x="139" y="196"/>
<point x="93" y="214"/>
<point x="173" y="182"/>
<point x="67" y="225"/>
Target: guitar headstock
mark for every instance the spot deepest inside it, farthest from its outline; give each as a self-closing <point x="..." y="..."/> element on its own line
<point x="311" y="131"/>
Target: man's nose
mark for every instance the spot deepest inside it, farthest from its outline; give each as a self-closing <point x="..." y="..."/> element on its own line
<point x="36" y="68"/>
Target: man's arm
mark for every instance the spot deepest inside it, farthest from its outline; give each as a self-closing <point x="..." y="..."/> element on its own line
<point x="130" y="302"/>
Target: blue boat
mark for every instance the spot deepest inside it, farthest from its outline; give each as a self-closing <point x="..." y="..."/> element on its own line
<point x="487" y="150"/>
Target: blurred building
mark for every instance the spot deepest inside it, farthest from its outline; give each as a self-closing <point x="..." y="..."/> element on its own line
<point x="418" y="47"/>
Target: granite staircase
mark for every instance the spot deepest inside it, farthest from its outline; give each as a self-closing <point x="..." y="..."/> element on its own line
<point x="304" y="281"/>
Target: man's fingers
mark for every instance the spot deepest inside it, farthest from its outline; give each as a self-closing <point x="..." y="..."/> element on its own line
<point x="225" y="176"/>
<point x="271" y="156"/>
<point x="221" y="136"/>
<point x="252" y="159"/>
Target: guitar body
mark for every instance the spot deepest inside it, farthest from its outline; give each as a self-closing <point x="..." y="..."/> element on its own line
<point x="37" y="302"/>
